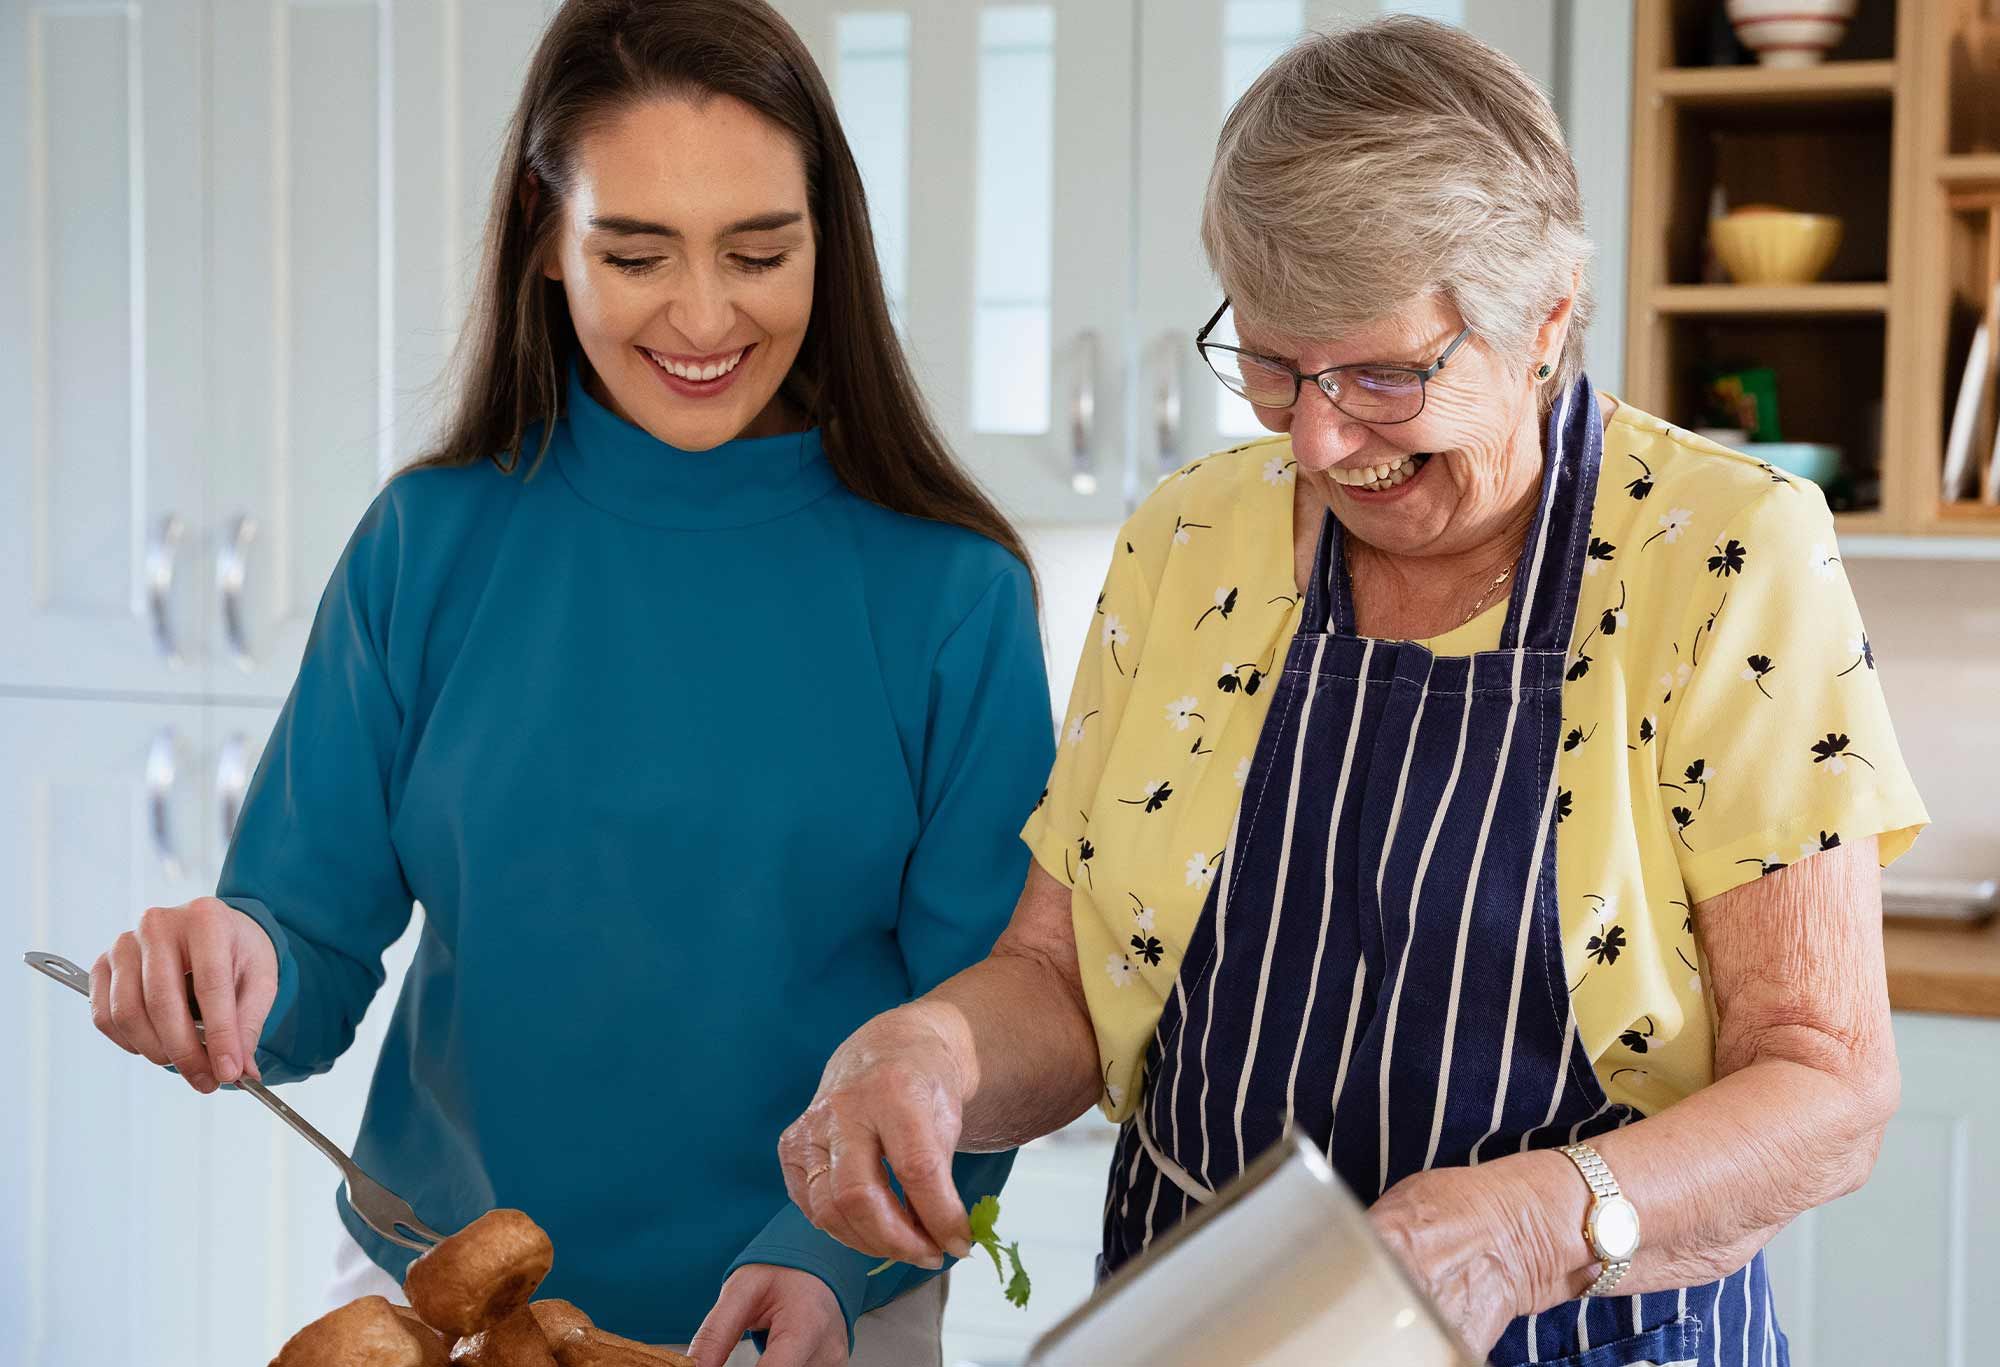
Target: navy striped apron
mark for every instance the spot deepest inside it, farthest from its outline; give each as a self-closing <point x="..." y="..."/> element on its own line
<point x="1380" y="961"/>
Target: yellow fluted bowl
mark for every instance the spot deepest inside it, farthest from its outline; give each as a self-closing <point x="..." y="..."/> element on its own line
<point x="1760" y="246"/>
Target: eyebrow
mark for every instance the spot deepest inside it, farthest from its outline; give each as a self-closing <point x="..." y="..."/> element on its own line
<point x="640" y="227"/>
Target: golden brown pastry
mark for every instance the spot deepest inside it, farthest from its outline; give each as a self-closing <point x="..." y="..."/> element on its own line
<point x="363" y="1333"/>
<point x="437" y="1348"/>
<point x="590" y="1347"/>
<point x="480" y="1275"/>
<point x="516" y="1341"/>
<point x="558" y="1317"/>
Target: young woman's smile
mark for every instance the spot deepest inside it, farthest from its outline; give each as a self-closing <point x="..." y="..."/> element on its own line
<point x="687" y="253"/>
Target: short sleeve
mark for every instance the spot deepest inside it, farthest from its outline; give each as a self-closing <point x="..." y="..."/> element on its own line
<point x="1781" y="745"/>
<point x="1103" y="685"/>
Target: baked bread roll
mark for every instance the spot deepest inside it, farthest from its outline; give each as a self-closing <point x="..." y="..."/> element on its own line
<point x="595" y="1348"/>
<point x="516" y="1341"/>
<point x="437" y="1348"/>
<point x="558" y="1317"/>
<point x="364" y="1333"/>
<point x="481" y="1275"/>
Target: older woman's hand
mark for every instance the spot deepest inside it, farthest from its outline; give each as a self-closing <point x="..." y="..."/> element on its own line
<point x="894" y="1092"/>
<point x="1459" y="1234"/>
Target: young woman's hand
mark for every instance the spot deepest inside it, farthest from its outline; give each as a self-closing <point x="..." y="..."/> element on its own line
<point x="139" y="990"/>
<point x="797" y="1309"/>
<point x="893" y="1091"/>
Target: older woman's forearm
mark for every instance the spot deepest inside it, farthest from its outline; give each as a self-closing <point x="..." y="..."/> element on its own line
<point x="1717" y="1176"/>
<point x="1807" y="1081"/>
<point x="1028" y="1057"/>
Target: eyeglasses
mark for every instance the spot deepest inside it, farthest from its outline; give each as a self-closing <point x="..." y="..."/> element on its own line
<point x="1365" y="391"/>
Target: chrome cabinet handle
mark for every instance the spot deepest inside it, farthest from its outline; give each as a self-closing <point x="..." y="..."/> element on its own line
<point x="162" y="551"/>
<point x="1168" y="386"/>
<point x="232" y="782"/>
<point x="232" y="568"/>
<point x="161" y="765"/>
<point x="1083" y="417"/>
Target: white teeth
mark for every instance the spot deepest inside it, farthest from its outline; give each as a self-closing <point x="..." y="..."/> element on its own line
<point x="714" y="370"/>
<point x="1376" y="478"/>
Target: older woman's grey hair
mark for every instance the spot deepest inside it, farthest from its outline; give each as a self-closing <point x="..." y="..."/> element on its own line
<point x="1370" y="167"/>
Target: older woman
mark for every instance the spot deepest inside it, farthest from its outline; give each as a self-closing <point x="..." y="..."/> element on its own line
<point x="1484" y="777"/>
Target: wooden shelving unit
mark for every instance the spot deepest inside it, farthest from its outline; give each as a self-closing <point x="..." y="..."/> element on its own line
<point x="1970" y="169"/>
<point x="1750" y="86"/>
<point x="1722" y="300"/>
<point x="1898" y="133"/>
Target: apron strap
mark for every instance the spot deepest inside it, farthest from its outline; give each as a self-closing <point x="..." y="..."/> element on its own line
<point x="1542" y="606"/>
<point x="1169" y="1169"/>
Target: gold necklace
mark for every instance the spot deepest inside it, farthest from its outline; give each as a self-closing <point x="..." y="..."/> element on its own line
<point x="1480" y="605"/>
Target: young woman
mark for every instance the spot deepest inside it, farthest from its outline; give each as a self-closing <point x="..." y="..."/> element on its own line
<point x="688" y="683"/>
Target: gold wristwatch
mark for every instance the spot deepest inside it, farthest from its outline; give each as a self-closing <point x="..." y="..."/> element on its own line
<point x="1611" y="1225"/>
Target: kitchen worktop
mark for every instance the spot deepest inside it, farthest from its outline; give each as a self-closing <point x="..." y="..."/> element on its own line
<point x="1944" y="969"/>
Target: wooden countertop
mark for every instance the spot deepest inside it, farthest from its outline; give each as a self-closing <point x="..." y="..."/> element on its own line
<point x="1949" y="970"/>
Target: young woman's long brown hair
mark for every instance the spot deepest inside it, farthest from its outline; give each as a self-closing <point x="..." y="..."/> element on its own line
<point x="851" y="378"/>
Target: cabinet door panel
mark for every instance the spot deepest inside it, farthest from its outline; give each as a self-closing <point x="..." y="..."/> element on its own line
<point x="1897" y="1271"/>
<point x="99" y="819"/>
<point x="994" y="143"/>
<point x="304" y="423"/>
<point x="101" y="347"/>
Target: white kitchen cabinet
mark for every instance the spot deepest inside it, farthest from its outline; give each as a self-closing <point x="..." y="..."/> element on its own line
<point x="101" y="346"/>
<point x="248" y="231"/>
<point x="1904" y="1269"/>
<point x="152" y="1224"/>
<point x="100" y="813"/>
<point x="301" y="317"/>
<point x="995" y="144"/>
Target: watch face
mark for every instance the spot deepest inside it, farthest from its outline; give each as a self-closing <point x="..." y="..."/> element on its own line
<point x="1614" y="1228"/>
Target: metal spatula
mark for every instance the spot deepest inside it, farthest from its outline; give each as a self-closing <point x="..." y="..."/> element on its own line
<point x="388" y="1214"/>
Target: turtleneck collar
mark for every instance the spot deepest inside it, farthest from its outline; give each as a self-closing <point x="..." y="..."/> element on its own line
<point x="627" y="471"/>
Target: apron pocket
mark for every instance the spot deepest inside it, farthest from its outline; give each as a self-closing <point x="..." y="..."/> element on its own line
<point x="1671" y="1345"/>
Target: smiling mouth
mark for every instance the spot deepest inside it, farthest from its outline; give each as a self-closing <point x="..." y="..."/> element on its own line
<point x="1376" y="478"/>
<point x="705" y="373"/>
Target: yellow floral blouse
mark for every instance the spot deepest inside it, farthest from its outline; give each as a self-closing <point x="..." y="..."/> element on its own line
<point x="1722" y="718"/>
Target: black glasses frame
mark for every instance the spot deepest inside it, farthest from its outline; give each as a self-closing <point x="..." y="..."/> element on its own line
<point x="1326" y="381"/>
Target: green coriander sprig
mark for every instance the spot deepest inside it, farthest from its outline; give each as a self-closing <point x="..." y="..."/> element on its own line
<point x="985" y="1214"/>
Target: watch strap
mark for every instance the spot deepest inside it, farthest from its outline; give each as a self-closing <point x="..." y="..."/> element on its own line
<point x="1597" y="1176"/>
<point x="1594" y="1169"/>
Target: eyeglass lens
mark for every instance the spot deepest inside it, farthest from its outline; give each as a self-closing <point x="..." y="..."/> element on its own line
<point x="1369" y="393"/>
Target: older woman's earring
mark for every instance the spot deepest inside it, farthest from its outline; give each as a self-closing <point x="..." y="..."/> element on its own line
<point x="1544" y="372"/>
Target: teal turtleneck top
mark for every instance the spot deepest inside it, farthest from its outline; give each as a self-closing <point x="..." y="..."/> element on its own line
<point x="695" y="762"/>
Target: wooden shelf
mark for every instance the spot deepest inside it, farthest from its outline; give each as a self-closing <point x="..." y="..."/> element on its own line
<point x="1969" y="170"/>
<point x="1753" y="86"/>
<point x="1767" y="300"/>
<point x="1968" y="518"/>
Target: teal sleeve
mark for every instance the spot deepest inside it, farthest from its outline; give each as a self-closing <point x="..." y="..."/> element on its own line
<point x="312" y="861"/>
<point x="790" y="1240"/>
<point x="990" y="742"/>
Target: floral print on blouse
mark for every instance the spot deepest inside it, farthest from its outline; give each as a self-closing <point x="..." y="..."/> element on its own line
<point x="1722" y="718"/>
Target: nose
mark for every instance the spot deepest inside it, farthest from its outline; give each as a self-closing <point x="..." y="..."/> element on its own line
<point x="702" y="312"/>
<point x="1322" y="435"/>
